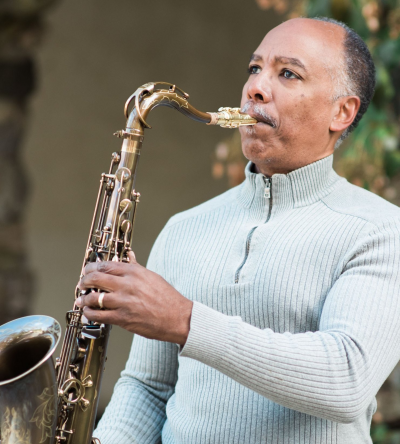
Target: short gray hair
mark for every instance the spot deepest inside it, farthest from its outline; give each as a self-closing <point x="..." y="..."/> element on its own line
<point x="356" y="73"/>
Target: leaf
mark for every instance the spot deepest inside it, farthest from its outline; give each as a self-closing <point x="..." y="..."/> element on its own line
<point x="388" y="53"/>
<point x="392" y="163"/>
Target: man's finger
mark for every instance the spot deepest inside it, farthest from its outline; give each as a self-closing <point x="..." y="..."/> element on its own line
<point x="132" y="257"/>
<point x="101" y="281"/>
<point x="109" y="300"/>
<point x="100" y="316"/>
<point x="107" y="267"/>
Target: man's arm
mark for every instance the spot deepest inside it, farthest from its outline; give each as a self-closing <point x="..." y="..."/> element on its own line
<point x="136" y="413"/>
<point x="333" y="373"/>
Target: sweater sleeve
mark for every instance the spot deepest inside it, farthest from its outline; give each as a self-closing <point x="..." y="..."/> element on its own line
<point x="335" y="372"/>
<point x="136" y="412"/>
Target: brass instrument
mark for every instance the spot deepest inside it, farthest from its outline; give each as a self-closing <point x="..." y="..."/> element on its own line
<point x="71" y="393"/>
<point x="28" y="389"/>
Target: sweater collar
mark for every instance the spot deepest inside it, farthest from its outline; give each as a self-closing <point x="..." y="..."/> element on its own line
<point x="300" y="187"/>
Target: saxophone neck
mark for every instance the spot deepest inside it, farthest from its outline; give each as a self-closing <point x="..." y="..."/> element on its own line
<point x="150" y="96"/>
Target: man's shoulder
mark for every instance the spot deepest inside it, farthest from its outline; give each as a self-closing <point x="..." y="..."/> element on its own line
<point x="215" y="204"/>
<point x="357" y="202"/>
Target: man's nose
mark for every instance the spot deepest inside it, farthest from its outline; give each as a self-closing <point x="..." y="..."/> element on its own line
<point x="259" y="89"/>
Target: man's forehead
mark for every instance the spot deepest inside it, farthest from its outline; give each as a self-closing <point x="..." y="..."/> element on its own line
<point x="304" y="39"/>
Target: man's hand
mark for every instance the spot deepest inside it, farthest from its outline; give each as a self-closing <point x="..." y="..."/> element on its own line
<point x="137" y="300"/>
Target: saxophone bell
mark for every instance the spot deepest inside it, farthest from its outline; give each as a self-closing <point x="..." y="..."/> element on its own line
<point x="28" y="388"/>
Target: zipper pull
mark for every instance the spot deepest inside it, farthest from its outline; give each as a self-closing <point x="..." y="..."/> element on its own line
<point x="267" y="189"/>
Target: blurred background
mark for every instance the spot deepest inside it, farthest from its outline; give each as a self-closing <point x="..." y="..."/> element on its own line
<point x="66" y="69"/>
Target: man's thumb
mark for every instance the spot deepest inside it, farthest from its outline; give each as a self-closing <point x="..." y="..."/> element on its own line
<point x="132" y="257"/>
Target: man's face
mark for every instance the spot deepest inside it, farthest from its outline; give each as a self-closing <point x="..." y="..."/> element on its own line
<point x="290" y="89"/>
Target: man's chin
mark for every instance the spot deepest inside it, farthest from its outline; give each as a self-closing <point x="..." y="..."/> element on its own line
<point x="260" y="143"/>
<point x="257" y="150"/>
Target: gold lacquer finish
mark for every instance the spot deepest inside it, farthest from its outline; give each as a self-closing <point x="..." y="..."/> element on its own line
<point x="231" y="118"/>
<point x="80" y="366"/>
<point x="28" y="388"/>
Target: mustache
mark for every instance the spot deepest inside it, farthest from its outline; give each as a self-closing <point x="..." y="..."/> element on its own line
<point x="259" y="113"/>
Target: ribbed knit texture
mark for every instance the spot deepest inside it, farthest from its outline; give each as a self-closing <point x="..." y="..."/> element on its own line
<point x="295" y="351"/>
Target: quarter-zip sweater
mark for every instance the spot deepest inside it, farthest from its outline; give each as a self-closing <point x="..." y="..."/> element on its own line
<point x="295" y="323"/>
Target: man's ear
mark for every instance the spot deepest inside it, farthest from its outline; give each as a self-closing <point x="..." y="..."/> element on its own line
<point x="345" y="110"/>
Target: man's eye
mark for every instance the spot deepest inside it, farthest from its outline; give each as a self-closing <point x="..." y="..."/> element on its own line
<point x="254" y="69"/>
<point x="289" y="74"/>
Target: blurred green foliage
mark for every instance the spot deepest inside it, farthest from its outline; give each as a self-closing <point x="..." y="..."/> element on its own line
<point x="381" y="434"/>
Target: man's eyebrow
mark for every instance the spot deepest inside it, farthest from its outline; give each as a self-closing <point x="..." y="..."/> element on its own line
<point x="290" y="61"/>
<point x="255" y="58"/>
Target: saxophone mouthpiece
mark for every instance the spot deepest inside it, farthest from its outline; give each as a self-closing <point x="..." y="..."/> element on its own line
<point x="231" y="118"/>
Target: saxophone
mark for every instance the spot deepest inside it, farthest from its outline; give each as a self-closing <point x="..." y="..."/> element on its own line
<point x="43" y="403"/>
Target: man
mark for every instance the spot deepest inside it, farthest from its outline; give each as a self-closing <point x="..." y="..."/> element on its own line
<point x="279" y="316"/>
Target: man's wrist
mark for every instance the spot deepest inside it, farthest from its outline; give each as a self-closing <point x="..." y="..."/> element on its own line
<point x="186" y="314"/>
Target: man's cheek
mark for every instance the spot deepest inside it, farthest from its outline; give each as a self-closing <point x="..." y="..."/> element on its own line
<point x="305" y="111"/>
<point x="244" y="94"/>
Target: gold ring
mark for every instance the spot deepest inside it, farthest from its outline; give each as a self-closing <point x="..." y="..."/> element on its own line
<point x="100" y="300"/>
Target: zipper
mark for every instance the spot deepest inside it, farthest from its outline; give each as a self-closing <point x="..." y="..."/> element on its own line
<point x="267" y="195"/>
<point x="267" y="189"/>
<point x="246" y="254"/>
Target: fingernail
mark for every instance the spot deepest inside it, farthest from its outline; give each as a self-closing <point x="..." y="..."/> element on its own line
<point x="78" y="301"/>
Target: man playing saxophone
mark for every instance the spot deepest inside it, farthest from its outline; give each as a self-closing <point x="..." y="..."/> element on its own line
<point x="271" y="313"/>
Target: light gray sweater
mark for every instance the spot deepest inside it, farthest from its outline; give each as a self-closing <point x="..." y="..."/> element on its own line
<point x="295" y="323"/>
